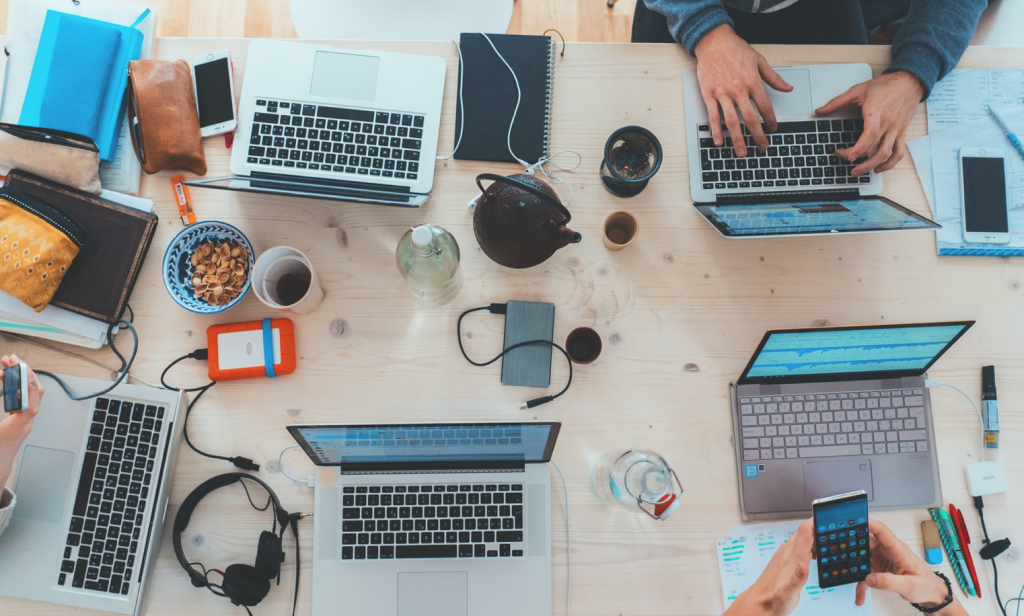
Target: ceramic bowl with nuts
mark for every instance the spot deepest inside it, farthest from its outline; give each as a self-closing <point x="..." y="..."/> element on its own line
<point x="207" y="267"/>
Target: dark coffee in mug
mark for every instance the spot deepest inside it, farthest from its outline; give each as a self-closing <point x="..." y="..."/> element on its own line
<point x="292" y="287"/>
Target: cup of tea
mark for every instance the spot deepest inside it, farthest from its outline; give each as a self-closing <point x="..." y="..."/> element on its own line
<point x="632" y="155"/>
<point x="583" y="345"/>
<point x="283" y="278"/>
<point x="620" y="229"/>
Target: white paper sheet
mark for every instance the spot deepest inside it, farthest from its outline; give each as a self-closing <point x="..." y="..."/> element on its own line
<point x="745" y="552"/>
<point x="964" y="95"/>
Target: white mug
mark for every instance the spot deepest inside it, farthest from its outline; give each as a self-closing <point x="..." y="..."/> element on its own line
<point x="276" y="263"/>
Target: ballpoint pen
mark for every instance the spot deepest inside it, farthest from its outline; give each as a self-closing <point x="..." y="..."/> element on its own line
<point x="965" y="543"/>
<point x="1014" y="141"/>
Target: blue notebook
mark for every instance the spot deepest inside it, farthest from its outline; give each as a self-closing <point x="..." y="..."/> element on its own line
<point x="79" y="77"/>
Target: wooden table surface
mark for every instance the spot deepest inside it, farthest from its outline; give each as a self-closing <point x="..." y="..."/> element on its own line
<point x="680" y="311"/>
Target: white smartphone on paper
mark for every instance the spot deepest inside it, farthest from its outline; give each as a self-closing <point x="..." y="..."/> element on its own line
<point x="214" y="85"/>
<point x="983" y="208"/>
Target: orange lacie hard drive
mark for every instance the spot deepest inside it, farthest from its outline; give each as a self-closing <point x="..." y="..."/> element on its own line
<point x="250" y="350"/>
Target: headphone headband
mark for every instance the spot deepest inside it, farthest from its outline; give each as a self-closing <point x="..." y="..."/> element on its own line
<point x="524" y="186"/>
<point x="188" y="506"/>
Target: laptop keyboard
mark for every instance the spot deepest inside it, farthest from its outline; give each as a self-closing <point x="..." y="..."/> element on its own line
<point x="799" y="154"/>
<point x="341" y="141"/>
<point x="826" y="425"/>
<point x="432" y="521"/>
<point x="113" y="496"/>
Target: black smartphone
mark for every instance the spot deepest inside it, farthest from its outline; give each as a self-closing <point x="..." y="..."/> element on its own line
<point x="841" y="546"/>
<point x="16" y="388"/>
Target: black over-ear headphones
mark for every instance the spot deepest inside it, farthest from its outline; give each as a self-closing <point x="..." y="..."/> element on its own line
<point x="243" y="584"/>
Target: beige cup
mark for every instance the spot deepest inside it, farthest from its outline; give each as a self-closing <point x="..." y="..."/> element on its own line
<point x="278" y="273"/>
<point x="620" y="229"/>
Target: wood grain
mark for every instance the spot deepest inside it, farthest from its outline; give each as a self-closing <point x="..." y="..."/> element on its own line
<point x="679" y="311"/>
<point x="577" y="20"/>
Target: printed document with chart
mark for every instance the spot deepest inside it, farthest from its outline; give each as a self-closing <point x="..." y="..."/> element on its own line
<point x="958" y="117"/>
<point x="745" y="552"/>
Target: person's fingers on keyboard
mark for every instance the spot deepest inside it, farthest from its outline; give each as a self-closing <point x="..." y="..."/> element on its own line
<point x="732" y="122"/>
<point x="753" y="122"/>
<point x="715" y="119"/>
<point x="764" y="107"/>
<point x="899" y="151"/>
<point x="881" y="154"/>
<point x="867" y="143"/>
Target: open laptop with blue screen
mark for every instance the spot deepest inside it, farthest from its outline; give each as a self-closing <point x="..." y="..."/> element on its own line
<point x="431" y="519"/>
<point x="830" y="410"/>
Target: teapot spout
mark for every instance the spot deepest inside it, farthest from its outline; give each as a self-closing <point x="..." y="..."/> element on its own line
<point x="567" y="236"/>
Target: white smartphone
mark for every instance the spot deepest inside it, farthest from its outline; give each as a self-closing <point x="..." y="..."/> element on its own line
<point x="214" y="85"/>
<point x="983" y="196"/>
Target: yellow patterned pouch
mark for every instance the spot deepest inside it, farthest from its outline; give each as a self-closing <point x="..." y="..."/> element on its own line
<point x="37" y="245"/>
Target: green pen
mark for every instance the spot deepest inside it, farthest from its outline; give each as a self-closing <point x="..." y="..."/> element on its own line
<point x="956" y="556"/>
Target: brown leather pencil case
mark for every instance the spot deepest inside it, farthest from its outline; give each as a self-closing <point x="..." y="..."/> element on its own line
<point x="163" y="118"/>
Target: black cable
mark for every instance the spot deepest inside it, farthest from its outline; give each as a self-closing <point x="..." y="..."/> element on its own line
<point x="126" y="364"/>
<point x="979" y="504"/>
<point x="241" y="462"/>
<point x="500" y="309"/>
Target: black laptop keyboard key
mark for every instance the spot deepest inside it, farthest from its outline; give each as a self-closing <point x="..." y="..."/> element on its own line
<point x="426" y="551"/>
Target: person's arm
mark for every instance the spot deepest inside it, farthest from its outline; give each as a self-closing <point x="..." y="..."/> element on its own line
<point x="14" y="429"/>
<point x="690" y="20"/>
<point x="933" y="37"/>
<point x="776" y="591"/>
<point x="896" y="568"/>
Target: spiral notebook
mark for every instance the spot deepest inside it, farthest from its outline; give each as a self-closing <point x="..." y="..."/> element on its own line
<point x="489" y="97"/>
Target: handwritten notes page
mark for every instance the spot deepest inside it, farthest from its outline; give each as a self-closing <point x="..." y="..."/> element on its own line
<point x="745" y="552"/>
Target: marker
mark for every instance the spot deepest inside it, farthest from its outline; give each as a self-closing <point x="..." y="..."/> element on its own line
<point x="1014" y="141"/>
<point x="956" y="556"/>
<point x="990" y="407"/>
<point x="184" y="200"/>
<point x="965" y="542"/>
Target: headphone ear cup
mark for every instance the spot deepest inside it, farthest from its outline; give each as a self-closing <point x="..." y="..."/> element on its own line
<point x="244" y="585"/>
<point x="269" y="555"/>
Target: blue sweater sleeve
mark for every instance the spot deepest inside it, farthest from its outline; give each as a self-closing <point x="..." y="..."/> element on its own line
<point x="690" y="20"/>
<point x="933" y="37"/>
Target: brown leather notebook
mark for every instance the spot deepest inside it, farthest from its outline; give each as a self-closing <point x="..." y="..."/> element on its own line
<point x="103" y="275"/>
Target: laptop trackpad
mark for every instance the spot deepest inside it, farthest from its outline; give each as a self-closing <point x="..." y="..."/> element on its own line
<point x="795" y="103"/>
<point x="43" y="483"/>
<point x="828" y="478"/>
<point x="433" y="594"/>
<point x="345" y="75"/>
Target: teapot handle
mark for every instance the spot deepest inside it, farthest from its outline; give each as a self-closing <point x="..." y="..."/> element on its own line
<point x="524" y="186"/>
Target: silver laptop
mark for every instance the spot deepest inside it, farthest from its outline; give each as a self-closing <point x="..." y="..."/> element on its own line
<point x="431" y="519"/>
<point x="319" y="121"/>
<point x="799" y="186"/>
<point x="831" y="410"/>
<point x="92" y="485"/>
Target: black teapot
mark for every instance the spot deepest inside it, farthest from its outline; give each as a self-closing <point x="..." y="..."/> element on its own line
<point x="519" y="221"/>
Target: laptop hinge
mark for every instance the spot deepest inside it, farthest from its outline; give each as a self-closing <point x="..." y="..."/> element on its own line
<point x="293" y="179"/>
<point x="843" y="194"/>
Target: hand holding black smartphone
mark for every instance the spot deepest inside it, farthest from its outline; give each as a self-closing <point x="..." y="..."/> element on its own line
<point x="16" y="388"/>
<point x="841" y="546"/>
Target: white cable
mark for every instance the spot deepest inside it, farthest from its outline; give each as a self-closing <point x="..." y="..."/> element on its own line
<point x="568" y="544"/>
<point x="462" y="111"/>
<point x="981" y="422"/>
<point x="280" y="465"/>
<point x="508" y="138"/>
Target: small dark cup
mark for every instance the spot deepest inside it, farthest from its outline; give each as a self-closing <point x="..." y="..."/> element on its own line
<point x="583" y="345"/>
<point x="632" y="155"/>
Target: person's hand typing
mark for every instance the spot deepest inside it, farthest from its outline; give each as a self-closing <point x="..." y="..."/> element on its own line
<point x="16" y="426"/>
<point x="730" y="74"/>
<point x="896" y="568"/>
<point x="777" y="590"/>
<point x="887" y="104"/>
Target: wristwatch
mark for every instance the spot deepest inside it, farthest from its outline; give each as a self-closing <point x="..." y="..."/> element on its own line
<point x="949" y="597"/>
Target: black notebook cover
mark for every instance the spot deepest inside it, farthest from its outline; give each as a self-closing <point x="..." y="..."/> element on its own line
<point x="489" y="97"/>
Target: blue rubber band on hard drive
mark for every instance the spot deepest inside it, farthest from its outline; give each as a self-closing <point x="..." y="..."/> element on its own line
<point x="268" y="349"/>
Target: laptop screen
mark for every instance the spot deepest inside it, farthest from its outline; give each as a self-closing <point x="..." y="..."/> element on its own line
<point x="899" y="350"/>
<point x="432" y="445"/>
<point x="813" y="217"/>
